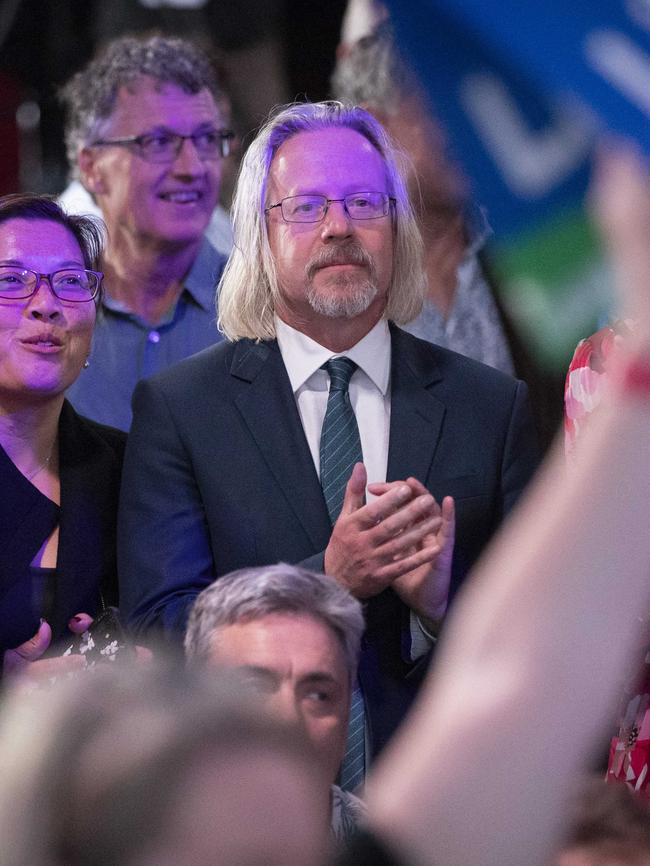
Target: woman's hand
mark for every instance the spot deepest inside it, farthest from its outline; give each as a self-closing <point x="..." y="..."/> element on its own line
<point x="25" y="662"/>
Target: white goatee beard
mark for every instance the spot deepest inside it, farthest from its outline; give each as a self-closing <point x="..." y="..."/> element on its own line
<point x="356" y="297"/>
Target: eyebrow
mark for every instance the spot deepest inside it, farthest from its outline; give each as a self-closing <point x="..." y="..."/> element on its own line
<point x="258" y="670"/>
<point x="318" y="677"/>
<point x="312" y="677"/>
<point x="204" y="124"/>
<point x="18" y="264"/>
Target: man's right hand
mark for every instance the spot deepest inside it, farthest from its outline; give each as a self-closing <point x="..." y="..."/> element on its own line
<point x="373" y="544"/>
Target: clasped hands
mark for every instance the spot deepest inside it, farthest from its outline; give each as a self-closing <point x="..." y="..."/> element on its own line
<point x="402" y="539"/>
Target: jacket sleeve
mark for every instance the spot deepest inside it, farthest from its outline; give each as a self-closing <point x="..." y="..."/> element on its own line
<point x="521" y="450"/>
<point x="164" y="555"/>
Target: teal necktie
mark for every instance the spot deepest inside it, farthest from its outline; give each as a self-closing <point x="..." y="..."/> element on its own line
<point x="340" y="445"/>
<point x="340" y="449"/>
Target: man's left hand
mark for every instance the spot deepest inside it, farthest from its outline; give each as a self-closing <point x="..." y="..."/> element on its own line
<point x="426" y="589"/>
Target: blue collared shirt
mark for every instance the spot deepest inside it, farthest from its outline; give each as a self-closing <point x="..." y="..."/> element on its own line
<point x="127" y="349"/>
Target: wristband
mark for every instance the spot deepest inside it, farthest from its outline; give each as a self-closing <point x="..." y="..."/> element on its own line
<point x="635" y="377"/>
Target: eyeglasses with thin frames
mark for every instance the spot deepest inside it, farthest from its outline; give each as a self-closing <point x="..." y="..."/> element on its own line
<point x="165" y="146"/>
<point x="72" y="285"/>
<point x="310" y="208"/>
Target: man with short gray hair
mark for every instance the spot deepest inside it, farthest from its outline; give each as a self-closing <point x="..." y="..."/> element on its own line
<point x="295" y="635"/>
<point x="146" y="137"/>
<point x="252" y="593"/>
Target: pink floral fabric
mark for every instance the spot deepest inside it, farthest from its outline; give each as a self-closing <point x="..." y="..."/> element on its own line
<point x="629" y="757"/>
<point x="585" y="382"/>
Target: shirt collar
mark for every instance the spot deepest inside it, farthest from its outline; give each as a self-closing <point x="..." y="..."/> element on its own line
<point x="204" y="275"/>
<point x="478" y="228"/>
<point x="200" y="283"/>
<point x="303" y="356"/>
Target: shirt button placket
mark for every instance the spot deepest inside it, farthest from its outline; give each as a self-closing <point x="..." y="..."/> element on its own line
<point x="151" y="354"/>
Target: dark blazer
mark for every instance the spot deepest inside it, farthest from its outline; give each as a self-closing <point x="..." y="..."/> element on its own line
<point x="90" y="464"/>
<point x="218" y="475"/>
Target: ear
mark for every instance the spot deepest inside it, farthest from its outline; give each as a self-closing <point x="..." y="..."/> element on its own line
<point x="90" y="172"/>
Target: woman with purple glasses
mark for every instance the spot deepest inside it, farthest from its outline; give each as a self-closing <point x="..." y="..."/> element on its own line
<point x="59" y="473"/>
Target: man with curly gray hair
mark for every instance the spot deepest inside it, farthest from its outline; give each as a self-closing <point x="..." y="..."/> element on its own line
<point x="146" y="137"/>
<point x="261" y="449"/>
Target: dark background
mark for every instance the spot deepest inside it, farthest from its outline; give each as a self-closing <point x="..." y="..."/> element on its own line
<point x="43" y="43"/>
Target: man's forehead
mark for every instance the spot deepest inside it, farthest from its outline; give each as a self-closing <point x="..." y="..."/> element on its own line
<point x="148" y="82"/>
<point x="258" y="634"/>
<point x="149" y="98"/>
<point x="311" y="159"/>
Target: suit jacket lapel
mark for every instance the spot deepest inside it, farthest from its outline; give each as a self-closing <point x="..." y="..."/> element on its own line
<point x="269" y="409"/>
<point x="416" y="415"/>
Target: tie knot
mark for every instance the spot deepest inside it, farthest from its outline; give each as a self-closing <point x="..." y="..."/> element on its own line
<point x="340" y="371"/>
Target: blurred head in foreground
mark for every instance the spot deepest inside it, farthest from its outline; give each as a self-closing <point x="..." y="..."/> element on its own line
<point x="157" y="765"/>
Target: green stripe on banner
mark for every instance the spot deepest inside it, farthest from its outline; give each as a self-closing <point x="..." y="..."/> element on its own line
<point x="555" y="285"/>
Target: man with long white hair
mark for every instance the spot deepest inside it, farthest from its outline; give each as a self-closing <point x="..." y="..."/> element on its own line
<point x="261" y="449"/>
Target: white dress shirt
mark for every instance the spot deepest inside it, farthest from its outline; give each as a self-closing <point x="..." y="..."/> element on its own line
<point x="369" y="389"/>
<point x="370" y="399"/>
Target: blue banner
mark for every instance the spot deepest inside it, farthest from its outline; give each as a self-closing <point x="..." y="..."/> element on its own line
<point x="524" y="90"/>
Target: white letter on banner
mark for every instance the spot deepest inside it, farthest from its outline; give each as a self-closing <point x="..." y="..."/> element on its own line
<point x="639" y="12"/>
<point x="532" y="162"/>
<point x="622" y="63"/>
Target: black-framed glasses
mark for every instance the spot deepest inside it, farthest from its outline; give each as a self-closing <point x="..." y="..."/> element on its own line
<point x="165" y="146"/>
<point x="312" y="208"/>
<point x="73" y="285"/>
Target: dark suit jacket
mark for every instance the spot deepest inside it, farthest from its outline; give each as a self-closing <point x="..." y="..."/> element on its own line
<point x="90" y="462"/>
<point x="218" y="475"/>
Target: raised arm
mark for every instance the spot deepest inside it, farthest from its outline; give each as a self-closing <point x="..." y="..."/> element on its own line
<point x="535" y="646"/>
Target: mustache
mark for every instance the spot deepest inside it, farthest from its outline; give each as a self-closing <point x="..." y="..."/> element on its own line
<point x="352" y="254"/>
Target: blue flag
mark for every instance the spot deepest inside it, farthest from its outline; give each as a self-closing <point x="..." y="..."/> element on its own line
<point x="523" y="90"/>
